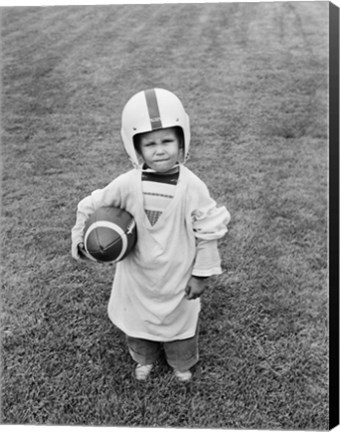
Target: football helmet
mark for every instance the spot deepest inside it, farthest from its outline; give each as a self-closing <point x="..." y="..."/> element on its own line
<point x="150" y="110"/>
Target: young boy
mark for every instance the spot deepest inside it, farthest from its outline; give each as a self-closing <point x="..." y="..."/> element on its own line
<point x="156" y="288"/>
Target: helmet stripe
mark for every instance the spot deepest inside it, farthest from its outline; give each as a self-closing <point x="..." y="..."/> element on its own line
<point x="151" y="102"/>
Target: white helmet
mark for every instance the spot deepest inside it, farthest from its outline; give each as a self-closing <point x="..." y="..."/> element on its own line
<point x="150" y="110"/>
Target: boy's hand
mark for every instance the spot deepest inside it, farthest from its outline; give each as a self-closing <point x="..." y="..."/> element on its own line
<point x="83" y="254"/>
<point x="79" y="253"/>
<point x="81" y="250"/>
<point x="195" y="287"/>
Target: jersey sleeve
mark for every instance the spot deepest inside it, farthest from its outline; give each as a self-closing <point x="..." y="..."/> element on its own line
<point x="209" y="222"/>
<point x="207" y="261"/>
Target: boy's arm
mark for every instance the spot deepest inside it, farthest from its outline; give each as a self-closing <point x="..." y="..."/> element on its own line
<point x="209" y="221"/>
<point x="84" y="210"/>
<point x="209" y="224"/>
<point x="111" y="195"/>
<point x="207" y="263"/>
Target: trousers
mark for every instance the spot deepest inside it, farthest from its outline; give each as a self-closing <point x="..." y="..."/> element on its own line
<point x="180" y="354"/>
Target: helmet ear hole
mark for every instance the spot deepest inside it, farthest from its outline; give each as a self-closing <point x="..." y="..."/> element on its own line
<point x="180" y="136"/>
<point x="136" y="142"/>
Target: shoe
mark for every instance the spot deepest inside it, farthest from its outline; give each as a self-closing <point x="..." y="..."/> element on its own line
<point x="183" y="376"/>
<point x="143" y="371"/>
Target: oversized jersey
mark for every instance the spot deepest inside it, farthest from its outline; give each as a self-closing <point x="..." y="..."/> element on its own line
<point x="148" y="292"/>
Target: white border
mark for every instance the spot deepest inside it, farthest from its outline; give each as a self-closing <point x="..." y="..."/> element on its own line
<point x="9" y="3"/>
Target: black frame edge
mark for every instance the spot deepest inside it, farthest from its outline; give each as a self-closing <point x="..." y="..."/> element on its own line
<point x="333" y="215"/>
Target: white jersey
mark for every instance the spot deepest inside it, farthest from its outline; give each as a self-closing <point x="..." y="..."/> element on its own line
<point x="148" y="293"/>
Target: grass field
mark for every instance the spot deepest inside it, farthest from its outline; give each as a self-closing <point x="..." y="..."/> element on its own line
<point x="254" y="80"/>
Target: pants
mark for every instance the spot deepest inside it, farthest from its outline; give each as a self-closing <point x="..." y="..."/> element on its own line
<point x="180" y="354"/>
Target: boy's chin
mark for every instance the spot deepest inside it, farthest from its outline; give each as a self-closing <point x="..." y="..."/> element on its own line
<point x="163" y="168"/>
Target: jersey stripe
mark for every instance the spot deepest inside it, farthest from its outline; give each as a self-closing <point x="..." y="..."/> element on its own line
<point x="158" y="194"/>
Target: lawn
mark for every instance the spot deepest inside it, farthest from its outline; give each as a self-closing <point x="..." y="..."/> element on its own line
<point x="254" y="80"/>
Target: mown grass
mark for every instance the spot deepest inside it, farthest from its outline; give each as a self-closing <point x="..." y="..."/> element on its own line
<point x="254" y="80"/>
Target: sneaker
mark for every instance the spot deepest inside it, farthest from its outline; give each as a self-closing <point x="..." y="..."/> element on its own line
<point x="183" y="376"/>
<point x="143" y="371"/>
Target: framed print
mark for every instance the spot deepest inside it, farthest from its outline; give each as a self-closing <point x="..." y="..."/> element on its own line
<point x="215" y="126"/>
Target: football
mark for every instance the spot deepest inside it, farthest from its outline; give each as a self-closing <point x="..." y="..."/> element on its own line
<point x="110" y="234"/>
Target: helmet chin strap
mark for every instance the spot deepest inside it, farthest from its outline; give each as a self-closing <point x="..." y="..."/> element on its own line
<point x="187" y="157"/>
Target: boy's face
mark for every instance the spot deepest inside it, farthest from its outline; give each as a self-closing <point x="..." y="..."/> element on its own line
<point x="160" y="149"/>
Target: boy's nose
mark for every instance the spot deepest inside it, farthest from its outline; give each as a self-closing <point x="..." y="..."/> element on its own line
<point x="159" y="149"/>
